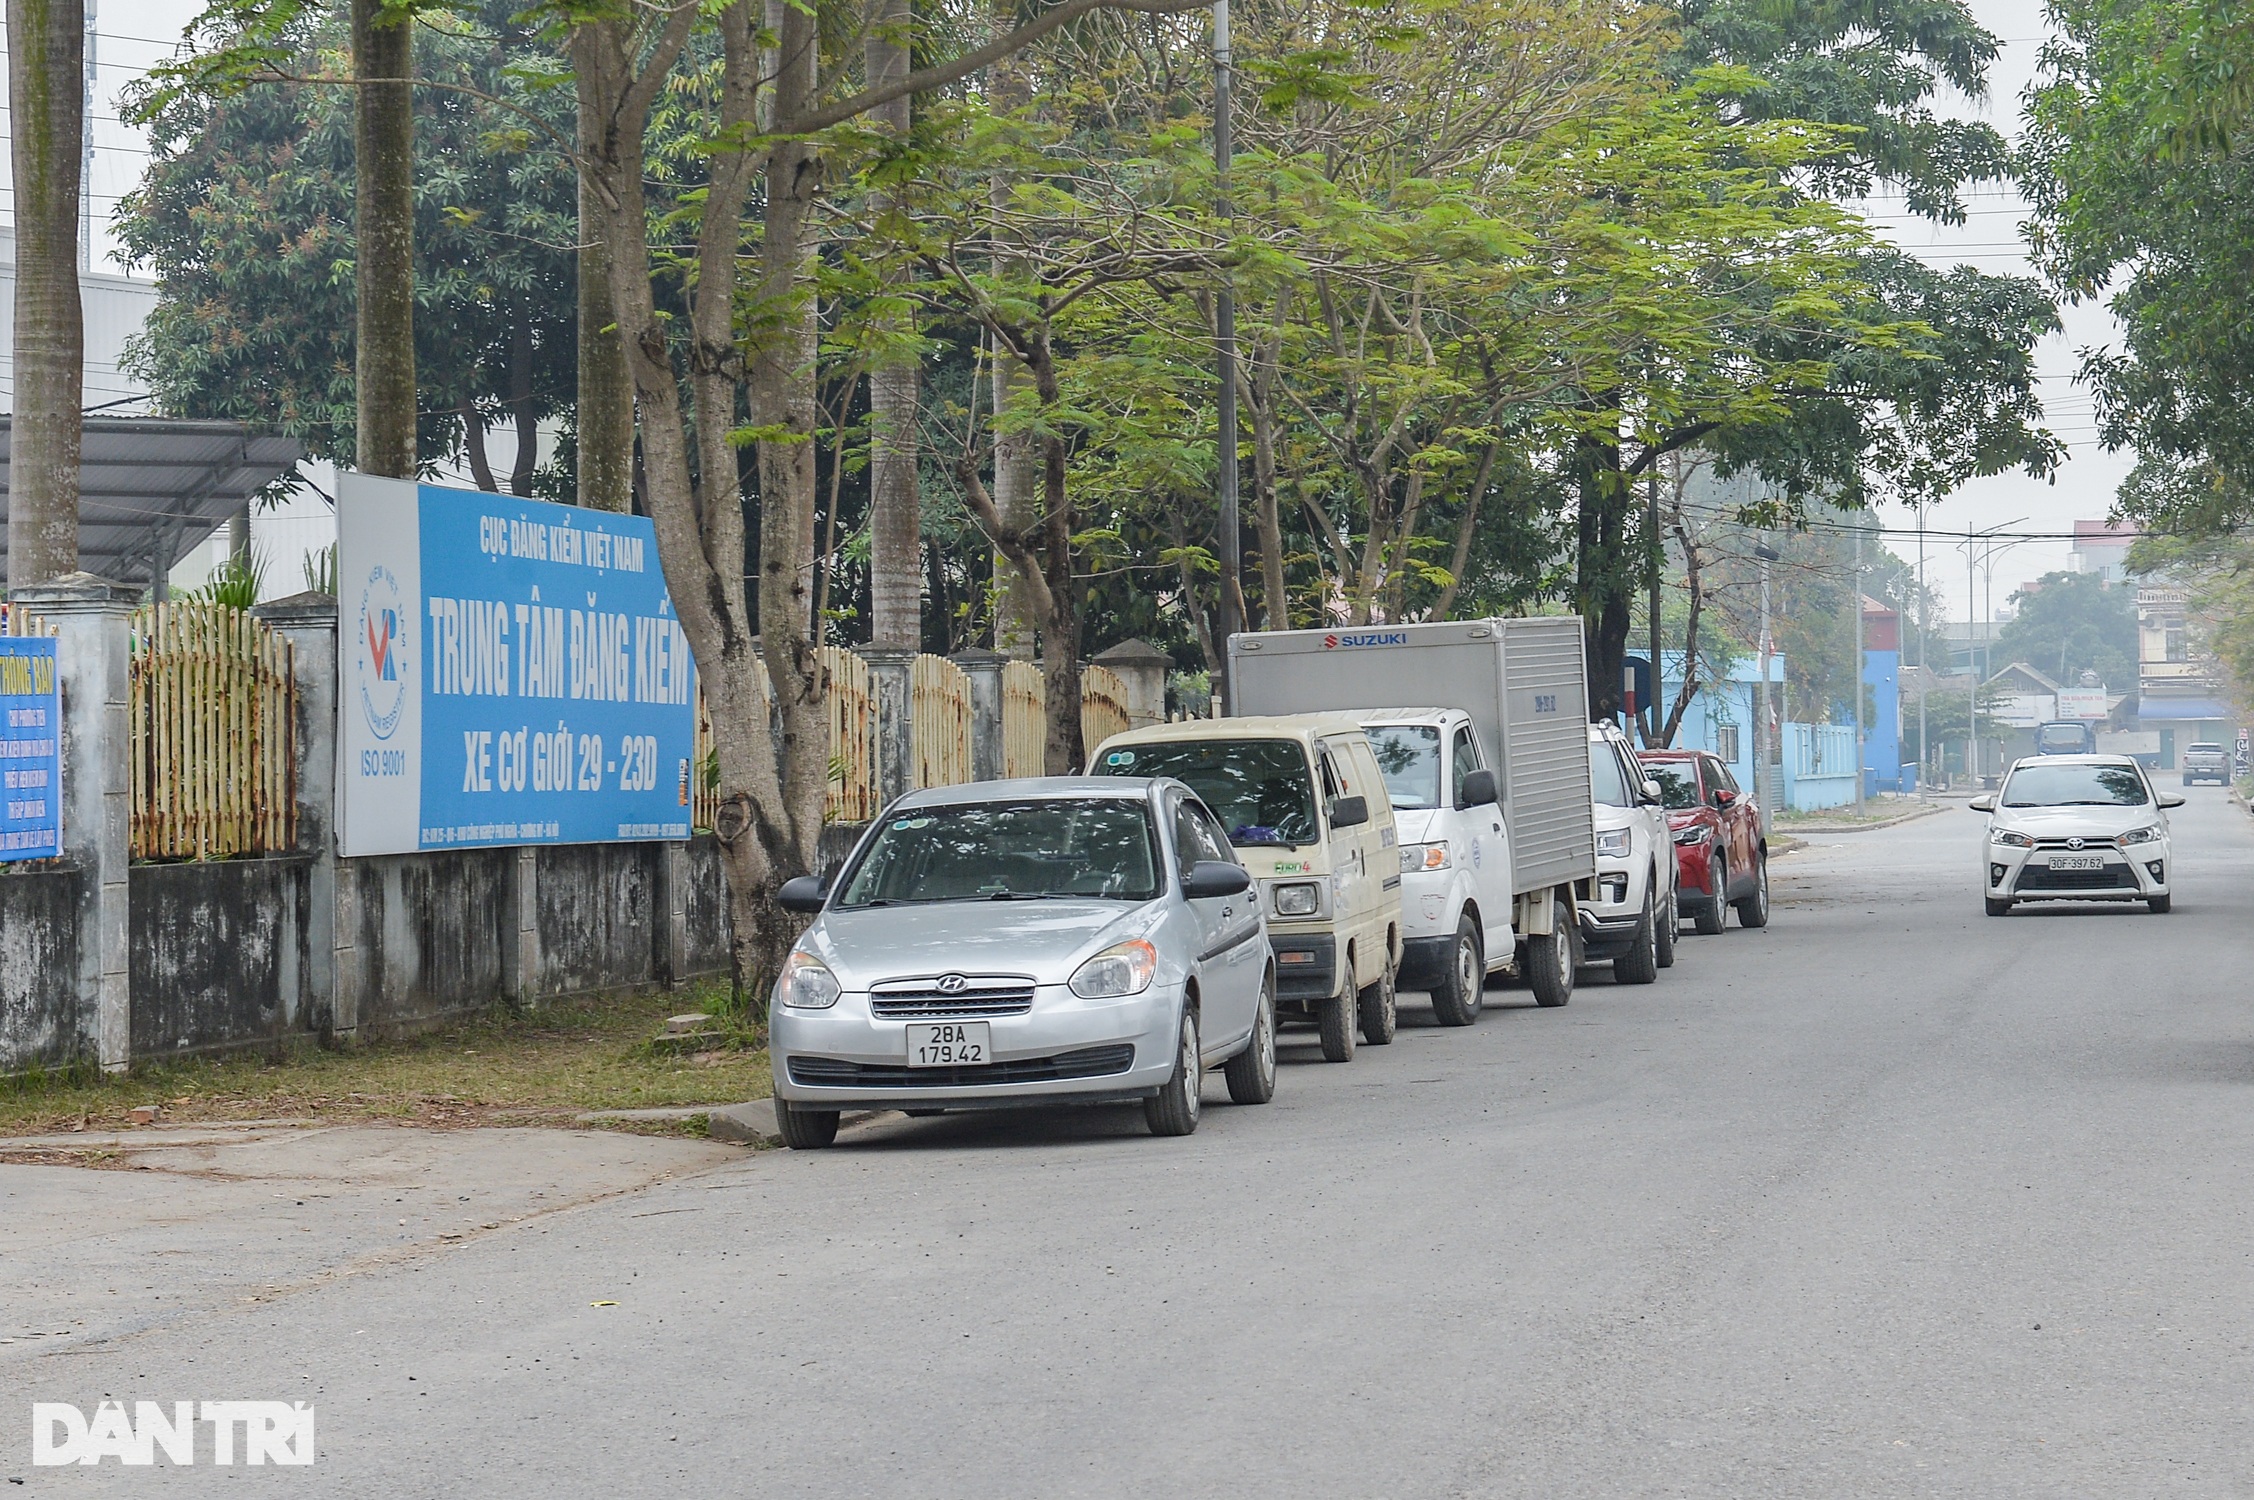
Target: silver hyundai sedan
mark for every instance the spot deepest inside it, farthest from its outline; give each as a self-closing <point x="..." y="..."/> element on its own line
<point x="1055" y="940"/>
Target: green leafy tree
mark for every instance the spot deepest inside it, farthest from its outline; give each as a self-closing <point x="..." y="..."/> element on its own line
<point x="2071" y="623"/>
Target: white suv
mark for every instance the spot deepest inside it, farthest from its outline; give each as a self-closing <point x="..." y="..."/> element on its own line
<point x="1630" y="916"/>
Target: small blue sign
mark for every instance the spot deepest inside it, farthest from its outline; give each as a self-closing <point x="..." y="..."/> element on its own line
<point x="31" y="741"/>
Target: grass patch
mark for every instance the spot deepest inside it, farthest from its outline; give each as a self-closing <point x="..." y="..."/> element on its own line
<point x="542" y="1066"/>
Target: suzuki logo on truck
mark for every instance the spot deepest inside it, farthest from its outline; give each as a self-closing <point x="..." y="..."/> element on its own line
<point x="1367" y="638"/>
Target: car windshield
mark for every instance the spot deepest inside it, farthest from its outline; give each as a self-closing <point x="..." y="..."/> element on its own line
<point x="1606" y="785"/>
<point x="1678" y="788"/>
<point x="998" y="851"/>
<point x="2063" y="739"/>
<point x="2205" y="749"/>
<point x="2075" y="786"/>
<point x="1258" y="789"/>
<point x="1409" y="757"/>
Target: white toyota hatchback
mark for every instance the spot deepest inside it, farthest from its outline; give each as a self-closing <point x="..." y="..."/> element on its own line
<point x="2076" y="828"/>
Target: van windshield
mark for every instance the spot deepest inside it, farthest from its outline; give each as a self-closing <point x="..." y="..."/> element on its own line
<point x="1257" y="788"/>
<point x="1408" y="755"/>
<point x="2074" y="786"/>
<point x="1000" y="851"/>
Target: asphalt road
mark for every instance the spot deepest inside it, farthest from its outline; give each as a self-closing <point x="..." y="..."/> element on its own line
<point x="1892" y="1198"/>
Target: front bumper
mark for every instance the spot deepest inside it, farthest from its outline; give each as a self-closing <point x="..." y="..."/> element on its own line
<point x="1306" y="965"/>
<point x="1065" y="1049"/>
<point x="1612" y="912"/>
<point x="2136" y="873"/>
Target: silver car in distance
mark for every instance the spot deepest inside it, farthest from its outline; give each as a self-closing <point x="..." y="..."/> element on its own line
<point x="2076" y="828"/>
<point x="1058" y="940"/>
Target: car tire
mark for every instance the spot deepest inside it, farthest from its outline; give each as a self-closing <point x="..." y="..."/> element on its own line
<point x="1463" y="987"/>
<point x="1335" y="1018"/>
<point x="1714" y="913"/>
<point x="1640" y="964"/>
<point x="1670" y="926"/>
<point x="1252" y="1072"/>
<point x="1378" y="1009"/>
<point x="1998" y="908"/>
<point x="1173" y="1110"/>
<point x="1753" y="911"/>
<point x="2159" y="904"/>
<point x="804" y="1129"/>
<point x="1550" y="960"/>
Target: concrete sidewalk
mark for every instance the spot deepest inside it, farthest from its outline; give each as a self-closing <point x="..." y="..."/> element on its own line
<point x="202" y="1218"/>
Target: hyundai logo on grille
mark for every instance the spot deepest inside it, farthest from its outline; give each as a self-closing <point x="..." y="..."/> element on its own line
<point x="2073" y="843"/>
<point x="952" y="984"/>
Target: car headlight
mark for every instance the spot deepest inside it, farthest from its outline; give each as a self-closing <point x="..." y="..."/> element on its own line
<point x="1616" y="842"/>
<point x="807" y="983"/>
<point x="2007" y="836"/>
<point x="1122" y="969"/>
<point x="1697" y="833"/>
<point x="2149" y="834"/>
<point x="1299" y="899"/>
<point x="1416" y="857"/>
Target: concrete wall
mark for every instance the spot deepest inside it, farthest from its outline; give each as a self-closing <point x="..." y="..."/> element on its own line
<point x="220" y="952"/>
<point x="435" y="939"/>
<point x="597" y="907"/>
<point x="41" y="1022"/>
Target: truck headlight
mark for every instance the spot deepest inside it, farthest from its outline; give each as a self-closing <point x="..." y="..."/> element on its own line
<point x="1616" y="843"/>
<point x="2148" y="834"/>
<point x="1300" y="899"/>
<point x="807" y="983"/>
<point x="1120" y="970"/>
<point x="2007" y="837"/>
<point x="1416" y="857"/>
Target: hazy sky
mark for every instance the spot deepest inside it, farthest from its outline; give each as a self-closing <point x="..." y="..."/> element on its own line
<point x="135" y="33"/>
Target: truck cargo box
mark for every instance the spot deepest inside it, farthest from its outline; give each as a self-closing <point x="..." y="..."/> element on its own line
<point x="1523" y="681"/>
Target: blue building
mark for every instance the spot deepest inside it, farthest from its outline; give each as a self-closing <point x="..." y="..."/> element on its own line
<point x="1882" y="677"/>
<point x="1815" y="763"/>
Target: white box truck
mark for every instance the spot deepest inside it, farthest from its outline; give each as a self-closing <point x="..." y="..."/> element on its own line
<point x="1520" y="686"/>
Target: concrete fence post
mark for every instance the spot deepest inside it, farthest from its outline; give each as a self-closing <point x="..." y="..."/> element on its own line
<point x="520" y="962"/>
<point x="93" y="660"/>
<point x="984" y="669"/>
<point x="1141" y="668"/>
<point x="891" y="684"/>
<point x="308" y="621"/>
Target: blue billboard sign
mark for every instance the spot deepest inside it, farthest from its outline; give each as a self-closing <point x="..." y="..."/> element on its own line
<point x="31" y="743"/>
<point x="510" y="672"/>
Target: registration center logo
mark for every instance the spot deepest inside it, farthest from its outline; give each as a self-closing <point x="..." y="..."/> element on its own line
<point x="380" y="651"/>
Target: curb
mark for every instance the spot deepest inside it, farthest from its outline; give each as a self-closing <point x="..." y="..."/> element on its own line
<point x="1921" y="810"/>
<point x="753" y="1123"/>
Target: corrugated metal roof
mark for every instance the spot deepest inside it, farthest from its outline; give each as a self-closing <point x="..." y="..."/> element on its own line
<point x="150" y="488"/>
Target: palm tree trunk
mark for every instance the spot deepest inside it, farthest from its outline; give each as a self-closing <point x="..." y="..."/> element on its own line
<point x="605" y="384"/>
<point x="46" y="61"/>
<point x="895" y="392"/>
<point x="383" y="132"/>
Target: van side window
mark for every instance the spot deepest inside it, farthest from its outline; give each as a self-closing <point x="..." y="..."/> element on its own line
<point x="1331" y="779"/>
<point x="1464" y="756"/>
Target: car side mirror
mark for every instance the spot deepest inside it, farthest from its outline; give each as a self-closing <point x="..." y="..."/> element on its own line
<point x="1349" y="812"/>
<point x="2171" y="799"/>
<point x="1479" y="790"/>
<point x="1652" y="792"/>
<point x="1986" y="802"/>
<point x="802" y="894"/>
<point x="1724" y="797"/>
<point x="1211" y="877"/>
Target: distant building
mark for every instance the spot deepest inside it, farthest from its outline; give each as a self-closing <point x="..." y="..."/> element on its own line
<point x="2102" y="547"/>
<point x="2179" y="694"/>
<point x="114" y="306"/>
<point x="1882" y="677"/>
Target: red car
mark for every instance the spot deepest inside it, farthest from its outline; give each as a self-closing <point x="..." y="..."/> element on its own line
<point x="1720" y="856"/>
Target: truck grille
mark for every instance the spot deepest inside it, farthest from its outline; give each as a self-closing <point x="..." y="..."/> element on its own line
<point x="917" y="999"/>
<point x="1087" y="1062"/>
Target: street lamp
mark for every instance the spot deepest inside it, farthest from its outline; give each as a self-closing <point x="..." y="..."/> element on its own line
<point x="1225" y="342"/>
<point x="1764" y="730"/>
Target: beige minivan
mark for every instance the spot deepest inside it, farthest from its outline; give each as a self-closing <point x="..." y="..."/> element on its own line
<point x="1306" y="809"/>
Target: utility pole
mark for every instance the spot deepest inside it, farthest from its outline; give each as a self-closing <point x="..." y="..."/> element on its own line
<point x="1764" y="729"/>
<point x="1924" y="626"/>
<point x="1972" y="705"/>
<point x="1658" y="562"/>
<point x="1225" y="340"/>
<point x="1858" y="603"/>
<point x="86" y="149"/>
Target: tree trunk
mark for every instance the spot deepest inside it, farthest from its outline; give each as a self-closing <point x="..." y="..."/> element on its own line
<point x="895" y="506"/>
<point x="383" y="133"/>
<point x="520" y="403"/>
<point x="1016" y="455"/>
<point x="605" y="414"/>
<point x="1605" y="571"/>
<point x="473" y="444"/>
<point x="46" y="63"/>
<point x="1275" y="601"/>
<point x="1459" y="558"/>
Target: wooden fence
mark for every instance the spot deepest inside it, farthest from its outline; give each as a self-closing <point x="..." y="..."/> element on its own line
<point x="213" y="714"/>
<point x="939" y="693"/>
<point x="1025" y="721"/>
<point x="1103" y="706"/>
<point x="852" y="759"/>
